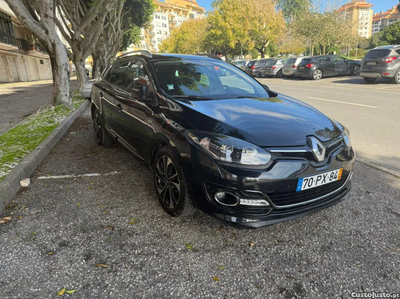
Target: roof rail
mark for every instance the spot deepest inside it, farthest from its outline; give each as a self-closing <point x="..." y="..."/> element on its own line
<point x="138" y="52"/>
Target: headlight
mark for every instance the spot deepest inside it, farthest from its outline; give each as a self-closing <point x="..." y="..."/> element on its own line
<point x="229" y="149"/>
<point x="346" y="137"/>
<point x="345" y="133"/>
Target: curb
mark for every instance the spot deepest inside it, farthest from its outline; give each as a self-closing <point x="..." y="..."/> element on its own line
<point x="381" y="168"/>
<point x="11" y="184"/>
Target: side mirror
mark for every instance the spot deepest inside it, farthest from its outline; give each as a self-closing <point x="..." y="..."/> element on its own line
<point x="266" y="86"/>
<point x="140" y="82"/>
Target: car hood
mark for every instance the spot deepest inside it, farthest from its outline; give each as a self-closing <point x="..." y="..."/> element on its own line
<point x="270" y="122"/>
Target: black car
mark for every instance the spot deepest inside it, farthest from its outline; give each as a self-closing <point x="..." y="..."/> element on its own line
<point x="382" y="62"/>
<point x="224" y="144"/>
<point x="255" y="66"/>
<point x="318" y="67"/>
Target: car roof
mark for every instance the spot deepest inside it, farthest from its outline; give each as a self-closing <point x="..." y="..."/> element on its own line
<point x="390" y="47"/>
<point x="151" y="57"/>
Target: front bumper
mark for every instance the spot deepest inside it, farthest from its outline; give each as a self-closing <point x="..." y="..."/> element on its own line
<point x="275" y="185"/>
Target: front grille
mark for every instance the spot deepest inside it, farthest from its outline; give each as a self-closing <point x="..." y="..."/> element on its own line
<point x="293" y="197"/>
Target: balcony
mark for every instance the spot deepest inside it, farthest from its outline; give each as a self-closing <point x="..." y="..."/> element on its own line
<point x="22" y="44"/>
<point x="7" y="41"/>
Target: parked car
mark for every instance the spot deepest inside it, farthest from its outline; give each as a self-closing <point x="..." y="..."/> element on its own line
<point x="273" y="68"/>
<point x="224" y="144"/>
<point x="290" y="68"/>
<point x="382" y="62"/>
<point x="86" y="89"/>
<point x="241" y="64"/>
<point x="318" y="67"/>
<point x="254" y="69"/>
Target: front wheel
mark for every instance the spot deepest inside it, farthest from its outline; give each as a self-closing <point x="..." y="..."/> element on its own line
<point x="369" y="80"/>
<point x="317" y="74"/>
<point x="261" y="75"/>
<point x="356" y="70"/>
<point x="396" y="78"/>
<point x="279" y="74"/>
<point x="170" y="184"/>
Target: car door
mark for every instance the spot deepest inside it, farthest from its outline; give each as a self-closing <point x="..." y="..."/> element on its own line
<point x="340" y="65"/>
<point x="109" y="92"/>
<point x="138" y="118"/>
<point x="327" y="66"/>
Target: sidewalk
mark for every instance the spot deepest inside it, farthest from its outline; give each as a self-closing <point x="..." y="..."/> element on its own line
<point x="18" y="100"/>
<point x="90" y="221"/>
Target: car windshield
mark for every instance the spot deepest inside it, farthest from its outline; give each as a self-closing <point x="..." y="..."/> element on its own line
<point x="305" y="61"/>
<point x="271" y="62"/>
<point x="377" y="53"/>
<point x="205" y="79"/>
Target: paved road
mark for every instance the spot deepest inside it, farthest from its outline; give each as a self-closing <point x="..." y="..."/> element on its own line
<point x="371" y="112"/>
<point x="114" y="219"/>
<point x="19" y="100"/>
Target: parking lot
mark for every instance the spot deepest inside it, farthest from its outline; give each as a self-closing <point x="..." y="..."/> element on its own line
<point x="90" y="221"/>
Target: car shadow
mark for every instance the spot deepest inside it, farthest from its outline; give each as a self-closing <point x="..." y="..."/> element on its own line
<point x="360" y="80"/>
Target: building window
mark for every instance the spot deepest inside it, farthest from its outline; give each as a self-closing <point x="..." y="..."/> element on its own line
<point x="41" y="61"/>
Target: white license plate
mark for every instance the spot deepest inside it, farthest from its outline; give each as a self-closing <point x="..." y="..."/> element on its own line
<point x="371" y="63"/>
<point x="319" y="179"/>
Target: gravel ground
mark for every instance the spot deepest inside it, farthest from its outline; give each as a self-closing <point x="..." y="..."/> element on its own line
<point x="115" y="220"/>
<point x="21" y="99"/>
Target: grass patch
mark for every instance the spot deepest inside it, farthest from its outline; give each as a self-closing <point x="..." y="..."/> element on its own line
<point x="17" y="143"/>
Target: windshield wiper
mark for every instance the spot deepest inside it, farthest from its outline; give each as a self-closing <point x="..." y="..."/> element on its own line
<point x="191" y="97"/>
<point x="247" y="97"/>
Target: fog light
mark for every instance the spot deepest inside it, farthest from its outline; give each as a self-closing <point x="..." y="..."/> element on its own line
<point x="226" y="198"/>
<point x="254" y="202"/>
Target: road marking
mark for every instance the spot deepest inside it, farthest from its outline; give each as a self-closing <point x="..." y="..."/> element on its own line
<point x="73" y="176"/>
<point x="347" y="103"/>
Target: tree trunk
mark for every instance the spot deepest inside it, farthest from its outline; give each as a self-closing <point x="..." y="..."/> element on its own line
<point x="61" y="74"/>
<point x="80" y="71"/>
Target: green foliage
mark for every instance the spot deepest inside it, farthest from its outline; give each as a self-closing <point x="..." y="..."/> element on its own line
<point x="377" y="40"/>
<point x="17" y="143"/>
<point x="272" y="50"/>
<point x="294" y="8"/>
<point x="391" y="34"/>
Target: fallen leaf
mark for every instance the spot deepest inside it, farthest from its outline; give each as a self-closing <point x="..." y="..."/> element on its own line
<point x="110" y="227"/>
<point x="101" y="266"/>
<point x="188" y="246"/>
<point x="221" y="268"/>
<point x="78" y="204"/>
<point x="61" y="292"/>
<point x="70" y="291"/>
<point x="25" y="182"/>
<point x="133" y="221"/>
<point x="7" y="218"/>
<point x="50" y="253"/>
<point x="216" y="278"/>
<point x="2" y="221"/>
<point x="251" y="244"/>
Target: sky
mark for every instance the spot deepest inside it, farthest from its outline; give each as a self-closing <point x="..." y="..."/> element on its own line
<point x="379" y="5"/>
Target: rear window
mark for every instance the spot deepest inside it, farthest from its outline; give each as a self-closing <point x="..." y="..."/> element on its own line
<point x="292" y="61"/>
<point x="378" y="53"/>
<point x="261" y="62"/>
<point x="398" y="52"/>
<point x="272" y="62"/>
<point x="251" y="63"/>
<point x="305" y="61"/>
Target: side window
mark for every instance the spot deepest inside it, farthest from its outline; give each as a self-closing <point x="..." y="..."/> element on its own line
<point x="321" y="60"/>
<point x="327" y="59"/>
<point x="136" y="70"/>
<point x="338" y="58"/>
<point x="398" y="52"/>
<point x="118" y="73"/>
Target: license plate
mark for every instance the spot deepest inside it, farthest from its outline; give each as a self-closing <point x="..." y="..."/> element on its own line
<point x="319" y="180"/>
<point x="371" y="63"/>
<point x="301" y="67"/>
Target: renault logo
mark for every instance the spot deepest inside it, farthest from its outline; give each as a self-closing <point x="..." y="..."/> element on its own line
<point x="317" y="148"/>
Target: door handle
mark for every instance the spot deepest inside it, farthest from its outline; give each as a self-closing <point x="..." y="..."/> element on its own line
<point x="119" y="107"/>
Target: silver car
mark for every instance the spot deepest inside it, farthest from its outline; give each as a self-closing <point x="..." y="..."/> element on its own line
<point x="86" y="89"/>
<point x="273" y="68"/>
<point x="290" y="68"/>
<point x="241" y="64"/>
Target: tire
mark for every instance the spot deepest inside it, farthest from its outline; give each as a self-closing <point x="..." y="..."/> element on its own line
<point x="279" y="74"/>
<point x="317" y="75"/>
<point x="100" y="135"/>
<point x="261" y="75"/>
<point x="369" y="80"/>
<point x="170" y="184"/>
<point x="396" y="78"/>
<point x="355" y="71"/>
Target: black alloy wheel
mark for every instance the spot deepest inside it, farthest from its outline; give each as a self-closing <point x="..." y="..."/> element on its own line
<point x="356" y="70"/>
<point x="99" y="133"/>
<point x="170" y="184"/>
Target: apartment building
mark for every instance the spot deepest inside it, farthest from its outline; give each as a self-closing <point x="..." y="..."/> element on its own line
<point x="360" y="14"/>
<point x="168" y="15"/>
<point x="383" y="19"/>
<point x="21" y="59"/>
